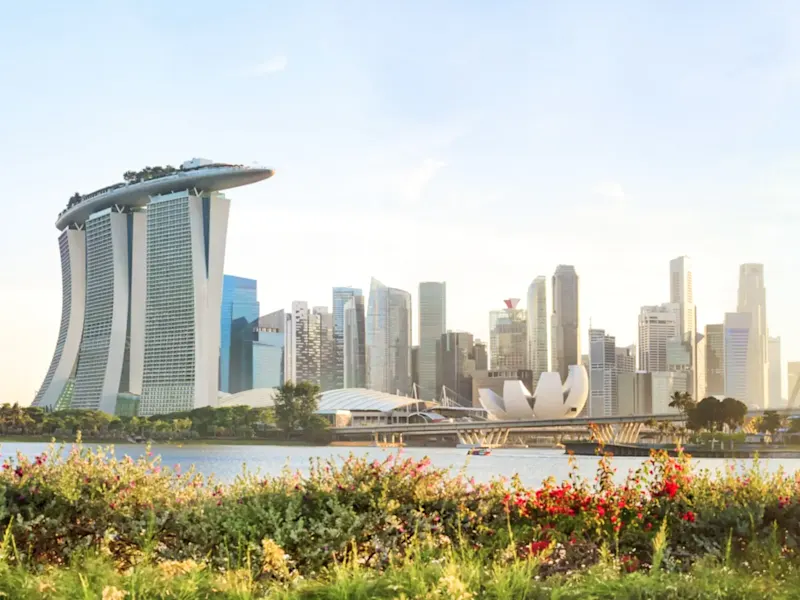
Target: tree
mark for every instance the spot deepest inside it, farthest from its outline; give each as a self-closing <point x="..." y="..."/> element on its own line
<point x="683" y="401"/>
<point x="733" y="413"/>
<point x="706" y="415"/>
<point x="295" y="405"/>
<point x="770" y="422"/>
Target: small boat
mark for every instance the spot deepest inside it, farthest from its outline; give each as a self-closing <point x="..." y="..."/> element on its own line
<point x="479" y="452"/>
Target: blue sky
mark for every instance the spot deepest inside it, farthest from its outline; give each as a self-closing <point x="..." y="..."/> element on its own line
<point x="473" y="142"/>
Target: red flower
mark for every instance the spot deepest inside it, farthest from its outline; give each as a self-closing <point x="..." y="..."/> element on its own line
<point x="671" y="488"/>
<point x="535" y="548"/>
<point x="689" y="517"/>
<point x="601" y="511"/>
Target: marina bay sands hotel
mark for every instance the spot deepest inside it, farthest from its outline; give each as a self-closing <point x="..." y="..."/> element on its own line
<point x="142" y="269"/>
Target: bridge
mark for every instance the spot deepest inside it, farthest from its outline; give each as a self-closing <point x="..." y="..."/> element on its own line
<point x="495" y="433"/>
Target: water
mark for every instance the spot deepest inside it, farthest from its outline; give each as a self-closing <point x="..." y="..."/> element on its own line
<point x="532" y="464"/>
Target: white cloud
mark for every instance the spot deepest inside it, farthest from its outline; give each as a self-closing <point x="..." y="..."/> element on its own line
<point x="610" y="190"/>
<point x="272" y="65"/>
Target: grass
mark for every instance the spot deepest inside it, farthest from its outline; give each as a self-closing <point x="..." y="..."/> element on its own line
<point x="452" y="577"/>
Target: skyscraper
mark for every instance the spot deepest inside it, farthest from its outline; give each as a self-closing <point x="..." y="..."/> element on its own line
<point x="355" y="351"/>
<point x="303" y="361"/>
<point x="793" y="376"/>
<point x="508" y="337"/>
<point x="432" y="325"/>
<point x="269" y="350"/>
<point x="753" y="300"/>
<point x="775" y="373"/>
<point x="142" y="278"/>
<point x="240" y="312"/>
<point x="682" y="294"/>
<point x="538" y="337"/>
<point x="565" y="322"/>
<point x="327" y="350"/>
<point x="626" y="359"/>
<point x="603" y="381"/>
<point x="657" y="324"/>
<point x="341" y="296"/>
<point x="457" y="365"/>
<point x="715" y="360"/>
<point x="388" y="331"/>
<point x="737" y="353"/>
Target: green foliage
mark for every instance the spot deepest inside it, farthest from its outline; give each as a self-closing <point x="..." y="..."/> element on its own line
<point x="771" y="422"/>
<point x="295" y="405"/>
<point x="713" y="415"/>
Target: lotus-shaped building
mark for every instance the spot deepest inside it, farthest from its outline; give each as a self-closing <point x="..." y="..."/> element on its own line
<point x="551" y="400"/>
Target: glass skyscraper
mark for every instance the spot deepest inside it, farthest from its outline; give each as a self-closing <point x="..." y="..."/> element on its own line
<point x="341" y="296"/>
<point x="388" y="331"/>
<point x="240" y="311"/>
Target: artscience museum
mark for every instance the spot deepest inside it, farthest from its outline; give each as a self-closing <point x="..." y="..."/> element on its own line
<point x="551" y="400"/>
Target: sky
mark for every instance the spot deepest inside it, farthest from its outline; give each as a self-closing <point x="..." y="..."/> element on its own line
<point x="465" y="141"/>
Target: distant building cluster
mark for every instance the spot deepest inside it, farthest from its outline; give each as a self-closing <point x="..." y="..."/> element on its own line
<point x="150" y="324"/>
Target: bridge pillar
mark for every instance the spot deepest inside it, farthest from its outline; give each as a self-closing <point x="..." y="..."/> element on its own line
<point x="505" y="436"/>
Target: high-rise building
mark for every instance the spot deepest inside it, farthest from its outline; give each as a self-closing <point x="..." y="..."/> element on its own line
<point x="663" y="384"/>
<point x="565" y="322"/>
<point x="481" y="356"/>
<point x="793" y="376"/>
<point x="388" y="331"/>
<point x="626" y="359"/>
<point x="327" y="350"/>
<point x="737" y="352"/>
<point x="341" y="296"/>
<point x="268" y="356"/>
<point x="538" y="334"/>
<point x="701" y="380"/>
<point x="753" y="301"/>
<point x="635" y="394"/>
<point x="508" y="333"/>
<point x="240" y="311"/>
<point x="657" y="324"/>
<point x="303" y="346"/>
<point x="715" y="360"/>
<point x="457" y="365"/>
<point x="775" y="373"/>
<point x="681" y="293"/>
<point x="603" y="381"/>
<point x="142" y="279"/>
<point x="432" y="325"/>
<point x="355" y="350"/>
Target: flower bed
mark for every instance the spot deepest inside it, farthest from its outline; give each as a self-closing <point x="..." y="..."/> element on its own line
<point x="63" y="504"/>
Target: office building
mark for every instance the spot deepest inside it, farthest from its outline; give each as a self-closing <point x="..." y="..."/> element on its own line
<point x="634" y="393"/>
<point x="268" y="357"/>
<point x="657" y="324"/>
<point x="737" y="352"/>
<point x="388" y="332"/>
<point x="565" y="321"/>
<point x="240" y="312"/>
<point x="327" y="350"/>
<point x="752" y="301"/>
<point x="663" y="384"/>
<point x="701" y="348"/>
<point x="626" y="359"/>
<point x="456" y="366"/>
<point x="355" y="349"/>
<point x="793" y="376"/>
<point x="508" y="338"/>
<point x="432" y="326"/>
<point x="775" y="373"/>
<point x="715" y="360"/>
<point x="302" y="359"/>
<point x="538" y="330"/>
<point x="681" y="294"/>
<point x="142" y="285"/>
<point x="603" y="378"/>
<point x="481" y="356"/>
<point x="341" y="296"/>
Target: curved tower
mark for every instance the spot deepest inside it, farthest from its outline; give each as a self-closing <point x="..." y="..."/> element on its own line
<point x="142" y="265"/>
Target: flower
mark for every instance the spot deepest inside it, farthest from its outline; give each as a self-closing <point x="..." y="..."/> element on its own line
<point x="688" y="516"/>
<point x="112" y="593"/>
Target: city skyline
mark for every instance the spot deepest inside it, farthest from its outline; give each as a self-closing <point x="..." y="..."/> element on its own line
<point x="423" y="139"/>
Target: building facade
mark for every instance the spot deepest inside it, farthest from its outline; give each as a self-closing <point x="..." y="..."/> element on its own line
<point x="657" y="324"/>
<point x="355" y="343"/>
<point x="603" y="378"/>
<point x="388" y="333"/>
<point x="341" y="296"/>
<point x="142" y="278"/>
<point x="456" y="366"/>
<point x="775" y="373"/>
<point x="240" y="313"/>
<point x="508" y="338"/>
<point x="737" y="352"/>
<point x="565" y="321"/>
<point x="432" y="326"/>
<point x="793" y="377"/>
<point x="538" y="330"/>
<point x="753" y="301"/>
<point x="635" y="394"/>
<point x="303" y="361"/>
<point x="268" y="358"/>
<point x="715" y="359"/>
<point x="328" y="379"/>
